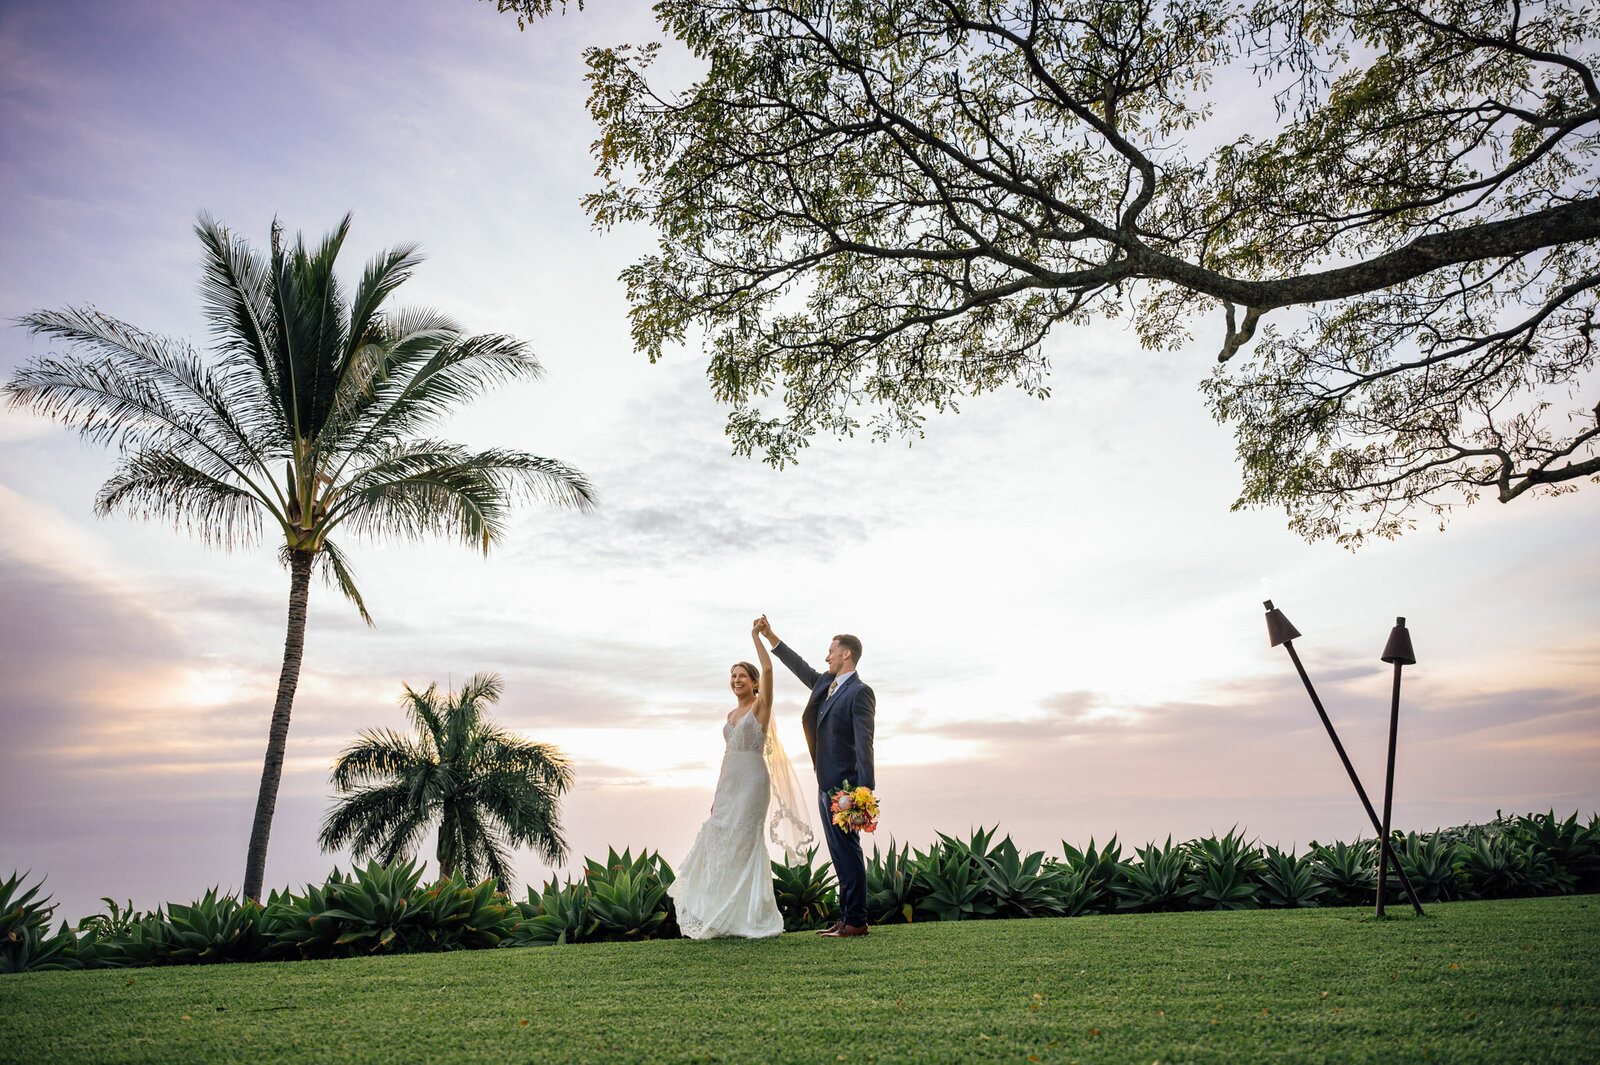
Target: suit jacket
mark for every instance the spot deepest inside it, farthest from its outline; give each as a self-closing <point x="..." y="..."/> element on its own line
<point x="838" y="730"/>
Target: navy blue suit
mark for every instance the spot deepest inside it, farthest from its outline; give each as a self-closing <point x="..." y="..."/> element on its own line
<point x="839" y="736"/>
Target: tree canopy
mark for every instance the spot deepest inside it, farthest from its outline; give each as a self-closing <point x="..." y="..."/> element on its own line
<point x="1384" y="211"/>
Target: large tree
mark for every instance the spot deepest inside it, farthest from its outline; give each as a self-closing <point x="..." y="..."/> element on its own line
<point x="1386" y="209"/>
<point x="486" y="788"/>
<point x="305" y="420"/>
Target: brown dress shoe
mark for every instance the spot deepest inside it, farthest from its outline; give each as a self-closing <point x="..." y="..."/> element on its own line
<point x="831" y="929"/>
<point x="846" y="930"/>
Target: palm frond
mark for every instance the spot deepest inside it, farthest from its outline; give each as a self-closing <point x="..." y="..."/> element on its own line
<point x="418" y="329"/>
<point x="469" y="701"/>
<point x="337" y="567"/>
<point x="526" y="807"/>
<point x="158" y="484"/>
<point x="369" y="819"/>
<point x="131" y="388"/>
<point x="398" y="338"/>
<point x="482" y="851"/>
<point x="375" y="755"/>
<point x="385" y="272"/>
<point x="426" y="710"/>
<point x="504" y="751"/>
<point x="433" y="487"/>
<point x="405" y="836"/>
<point x="236" y="297"/>
<point x="312" y="325"/>
<point x="429" y="375"/>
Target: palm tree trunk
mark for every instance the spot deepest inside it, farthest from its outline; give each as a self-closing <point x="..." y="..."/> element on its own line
<point x="278" y="736"/>
<point x="449" y="834"/>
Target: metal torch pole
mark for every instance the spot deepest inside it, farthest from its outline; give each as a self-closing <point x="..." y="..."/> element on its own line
<point x="1388" y="787"/>
<point x="1372" y="814"/>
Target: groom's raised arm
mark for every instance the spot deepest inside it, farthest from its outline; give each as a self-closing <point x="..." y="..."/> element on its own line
<point x="797" y="665"/>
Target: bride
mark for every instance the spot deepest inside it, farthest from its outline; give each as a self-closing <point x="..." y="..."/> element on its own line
<point x="724" y="885"/>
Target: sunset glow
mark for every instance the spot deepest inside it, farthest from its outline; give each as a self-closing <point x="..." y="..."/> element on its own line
<point x="1053" y="596"/>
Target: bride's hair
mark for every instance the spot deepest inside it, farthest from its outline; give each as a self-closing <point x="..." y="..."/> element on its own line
<point x="750" y="671"/>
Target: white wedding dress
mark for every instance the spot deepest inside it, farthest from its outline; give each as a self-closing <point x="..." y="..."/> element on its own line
<point x="724" y="886"/>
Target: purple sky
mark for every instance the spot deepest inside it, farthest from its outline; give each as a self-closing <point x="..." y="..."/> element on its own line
<point x="1062" y="618"/>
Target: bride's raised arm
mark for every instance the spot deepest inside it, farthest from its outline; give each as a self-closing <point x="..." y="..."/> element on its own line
<point x="763" y="710"/>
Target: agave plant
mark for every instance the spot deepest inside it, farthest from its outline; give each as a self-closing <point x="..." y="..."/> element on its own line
<point x="1348" y="870"/>
<point x="137" y="939"/>
<point x="1574" y="848"/>
<point x="1098" y="869"/>
<point x="1020" y="886"/>
<point x="557" y="914"/>
<point x="974" y="849"/>
<point x="1221" y="887"/>
<point x="1501" y="866"/>
<point x="374" y="907"/>
<point x="455" y="915"/>
<point x="215" y="929"/>
<point x="100" y="935"/>
<point x="1290" y="881"/>
<point x="1429" y="863"/>
<point x="954" y="885"/>
<point x="628" y="895"/>
<point x="892" y="886"/>
<point x="1073" y="891"/>
<point x="806" y="893"/>
<point x="1158" y="881"/>
<point x="1224" y="872"/>
<point x="115" y="921"/>
<point x="301" y="925"/>
<point x="1231" y="851"/>
<point x="627" y="906"/>
<point x="26" y="943"/>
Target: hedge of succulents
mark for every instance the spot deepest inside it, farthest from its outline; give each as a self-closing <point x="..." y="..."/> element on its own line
<point x="390" y="910"/>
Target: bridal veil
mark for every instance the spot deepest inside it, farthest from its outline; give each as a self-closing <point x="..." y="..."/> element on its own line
<point x="790" y="824"/>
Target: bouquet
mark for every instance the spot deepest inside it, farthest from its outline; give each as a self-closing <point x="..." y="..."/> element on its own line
<point x="854" y="809"/>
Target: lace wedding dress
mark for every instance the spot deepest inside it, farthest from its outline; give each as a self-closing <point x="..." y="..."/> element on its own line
<point x="724" y="886"/>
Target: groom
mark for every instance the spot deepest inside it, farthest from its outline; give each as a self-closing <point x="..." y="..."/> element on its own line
<point x="838" y="721"/>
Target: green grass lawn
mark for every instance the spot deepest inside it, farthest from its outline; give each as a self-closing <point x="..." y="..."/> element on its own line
<point x="1513" y="981"/>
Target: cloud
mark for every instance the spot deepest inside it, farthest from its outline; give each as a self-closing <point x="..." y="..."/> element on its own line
<point x="64" y="645"/>
<point x="671" y="496"/>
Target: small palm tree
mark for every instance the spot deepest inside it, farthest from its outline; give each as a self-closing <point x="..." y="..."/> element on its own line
<point x="484" y="787"/>
<point x="306" y="421"/>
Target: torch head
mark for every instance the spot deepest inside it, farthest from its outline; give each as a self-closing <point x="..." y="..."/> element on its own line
<point x="1398" y="649"/>
<point x="1279" y="629"/>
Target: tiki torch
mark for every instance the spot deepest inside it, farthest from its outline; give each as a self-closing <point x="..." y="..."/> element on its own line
<point x="1397" y="650"/>
<point x="1280" y="630"/>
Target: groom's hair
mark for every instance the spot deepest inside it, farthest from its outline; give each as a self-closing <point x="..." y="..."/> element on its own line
<point x="851" y="644"/>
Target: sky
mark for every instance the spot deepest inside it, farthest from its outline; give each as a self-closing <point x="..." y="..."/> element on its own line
<point x="1060" y="614"/>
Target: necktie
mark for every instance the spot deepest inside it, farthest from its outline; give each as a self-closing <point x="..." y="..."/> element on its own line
<point x="833" y="687"/>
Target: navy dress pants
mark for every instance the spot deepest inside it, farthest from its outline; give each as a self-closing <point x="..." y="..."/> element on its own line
<point x="844" y="849"/>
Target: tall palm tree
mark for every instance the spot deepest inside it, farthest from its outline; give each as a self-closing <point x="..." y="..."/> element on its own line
<point x="305" y="420"/>
<point x="486" y="788"/>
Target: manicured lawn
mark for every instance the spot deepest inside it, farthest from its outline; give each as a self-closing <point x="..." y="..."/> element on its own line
<point x="1514" y="981"/>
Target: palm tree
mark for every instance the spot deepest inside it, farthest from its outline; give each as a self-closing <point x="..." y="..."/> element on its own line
<point x="485" y="787"/>
<point x="305" y="420"/>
